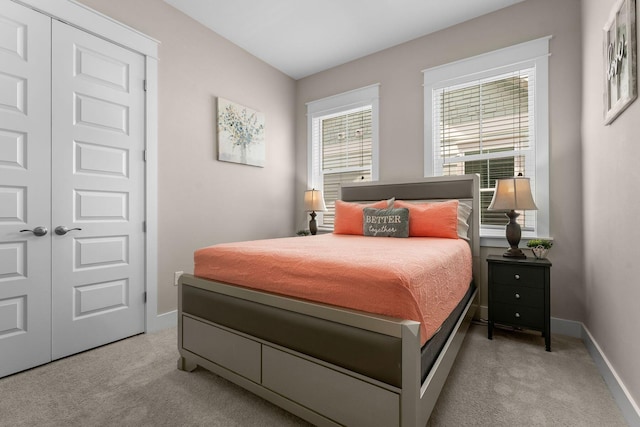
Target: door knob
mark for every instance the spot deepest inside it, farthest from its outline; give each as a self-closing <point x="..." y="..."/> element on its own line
<point x="61" y="230"/>
<point x="38" y="231"/>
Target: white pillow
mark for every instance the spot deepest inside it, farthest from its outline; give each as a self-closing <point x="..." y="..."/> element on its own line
<point x="464" y="211"/>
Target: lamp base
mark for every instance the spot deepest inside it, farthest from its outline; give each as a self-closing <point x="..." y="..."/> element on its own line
<point x="313" y="225"/>
<point x="513" y="236"/>
<point x="514" y="253"/>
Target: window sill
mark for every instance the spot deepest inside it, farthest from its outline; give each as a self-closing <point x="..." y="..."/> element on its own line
<point x="497" y="239"/>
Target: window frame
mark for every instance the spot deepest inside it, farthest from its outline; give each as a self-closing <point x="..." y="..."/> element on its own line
<point x="332" y="106"/>
<point x="534" y="53"/>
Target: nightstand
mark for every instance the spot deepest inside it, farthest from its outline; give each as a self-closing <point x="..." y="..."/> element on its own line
<point x="519" y="294"/>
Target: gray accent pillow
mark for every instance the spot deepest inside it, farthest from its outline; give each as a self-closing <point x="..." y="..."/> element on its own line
<point x="388" y="222"/>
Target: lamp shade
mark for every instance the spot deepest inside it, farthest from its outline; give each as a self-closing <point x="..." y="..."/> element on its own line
<point x="512" y="194"/>
<point x="313" y="201"/>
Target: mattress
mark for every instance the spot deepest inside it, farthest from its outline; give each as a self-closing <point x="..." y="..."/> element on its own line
<point x="416" y="278"/>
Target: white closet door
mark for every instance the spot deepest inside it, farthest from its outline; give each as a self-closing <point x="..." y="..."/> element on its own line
<point x="25" y="188"/>
<point x="98" y="191"/>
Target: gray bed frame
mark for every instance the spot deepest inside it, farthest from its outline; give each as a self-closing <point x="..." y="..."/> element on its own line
<point x="313" y="382"/>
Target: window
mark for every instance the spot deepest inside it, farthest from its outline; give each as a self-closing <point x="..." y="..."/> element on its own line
<point x="483" y="127"/>
<point x="343" y="144"/>
<point x="488" y="115"/>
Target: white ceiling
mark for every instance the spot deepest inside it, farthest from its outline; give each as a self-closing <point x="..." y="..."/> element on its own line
<point x="303" y="37"/>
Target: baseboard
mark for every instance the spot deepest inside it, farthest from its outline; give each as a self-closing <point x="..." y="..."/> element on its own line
<point x="623" y="399"/>
<point x="482" y="312"/>
<point x="164" y="321"/>
<point x="627" y="405"/>
<point x="570" y="328"/>
<point x="558" y="326"/>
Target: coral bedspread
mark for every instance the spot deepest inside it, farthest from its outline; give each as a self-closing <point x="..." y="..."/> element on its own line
<point x="416" y="278"/>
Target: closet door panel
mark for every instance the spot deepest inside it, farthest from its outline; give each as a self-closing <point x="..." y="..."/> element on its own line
<point x="25" y="188"/>
<point x="98" y="191"/>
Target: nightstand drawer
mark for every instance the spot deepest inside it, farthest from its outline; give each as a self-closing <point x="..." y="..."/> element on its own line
<point x="518" y="295"/>
<point x="518" y="275"/>
<point x="517" y="315"/>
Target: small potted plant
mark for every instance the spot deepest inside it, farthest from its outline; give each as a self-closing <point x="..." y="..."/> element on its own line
<point x="540" y="247"/>
<point x="302" y="232"/>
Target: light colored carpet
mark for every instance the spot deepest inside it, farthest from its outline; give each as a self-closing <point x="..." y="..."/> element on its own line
<point x="512" y="381"/>
<point x="509" y="381"/>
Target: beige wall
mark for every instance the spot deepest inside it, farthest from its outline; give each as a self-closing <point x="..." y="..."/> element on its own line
<point x="398" y="70"/>
<point x="610" y="184"/>
<point x="203" y="201"/>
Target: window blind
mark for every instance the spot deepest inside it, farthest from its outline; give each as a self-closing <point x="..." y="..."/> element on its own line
<point x="486" y="126"/>
<point x="342" y="137"/>
<point x="346" y="153"/>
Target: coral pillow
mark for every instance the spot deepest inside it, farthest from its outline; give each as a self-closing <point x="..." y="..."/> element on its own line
<point x="348" y="219"/>
<point x="438" y="219"/>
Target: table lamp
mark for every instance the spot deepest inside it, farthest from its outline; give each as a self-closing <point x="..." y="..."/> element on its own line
<point x="512" y="194"/>
<point x="313" y="201"/>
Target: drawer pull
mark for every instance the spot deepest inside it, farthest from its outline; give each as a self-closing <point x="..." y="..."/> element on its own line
<point x="517" y="276"/>
<point x="517" y="315"/>
<point x="517" y="296"/>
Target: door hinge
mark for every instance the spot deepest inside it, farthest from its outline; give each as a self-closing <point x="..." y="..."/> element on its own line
<point x="144" y="297"/>
<point x="144" y="226"/>
<point x="144" y="155"/>
<point x="144" y="85"/>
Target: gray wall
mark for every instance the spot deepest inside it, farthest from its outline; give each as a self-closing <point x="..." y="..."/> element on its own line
<point x="610" y="185"/>
<point x="398" y="70"/>
<point x="203" y="201"/>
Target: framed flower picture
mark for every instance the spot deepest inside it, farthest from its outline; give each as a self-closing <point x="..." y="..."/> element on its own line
<point x="240" y="134"/>
<point x="621" y="86"/>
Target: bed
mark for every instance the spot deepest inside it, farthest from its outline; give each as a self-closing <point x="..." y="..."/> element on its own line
<point x="328" y="363"/>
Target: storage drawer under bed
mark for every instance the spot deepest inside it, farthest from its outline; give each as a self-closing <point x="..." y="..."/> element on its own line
<point x="345" y="399"/>
<point x="338" y="396"/>
<point x="236" y="353"/>
<point x="368" y="353"/>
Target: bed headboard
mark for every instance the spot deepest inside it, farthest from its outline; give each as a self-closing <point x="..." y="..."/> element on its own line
<point x="463" y="187"/>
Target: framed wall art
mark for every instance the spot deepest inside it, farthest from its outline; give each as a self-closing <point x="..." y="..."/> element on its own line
<point x="240" y="134"/>
<point x="621" y="85"/>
